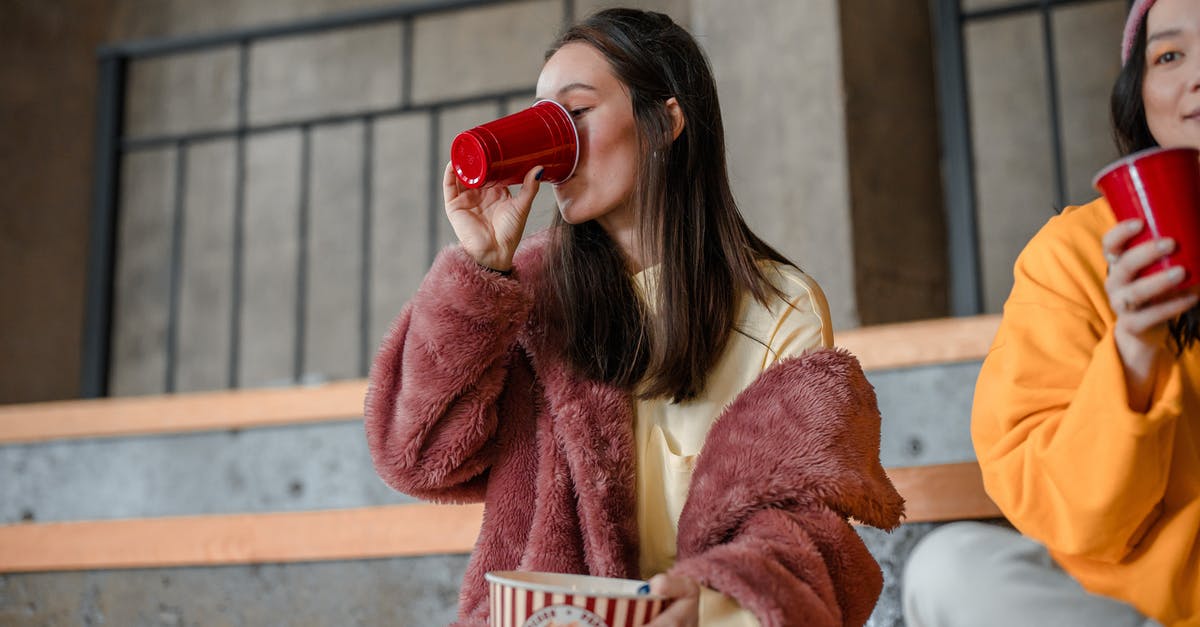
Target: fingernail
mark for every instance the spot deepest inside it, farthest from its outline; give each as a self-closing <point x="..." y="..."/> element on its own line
<point x="1166" y="244"/>
<point x="1134" y="225"/>
<point x="644" y="589"/>
<point x="1176" y="273"/>
<point x="538" y="176"/>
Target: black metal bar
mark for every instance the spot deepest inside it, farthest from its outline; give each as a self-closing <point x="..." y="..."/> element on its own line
<point x="176" y="264"/>
<point x="239" y="219"/>
<point x="958" y="167"/>
<point x="436" y="172"/>
<point x="1060" y="185"/>
<point x="1015" y="8"/>
<point x="101" y="267"/>
<point x="159" y="141"/>
<point x="364" y="320"/>
<point x="568" y="14"/>
<point x="406" y="62"/>
<point x="302" y="253"/>
<point x="176" y="45"/>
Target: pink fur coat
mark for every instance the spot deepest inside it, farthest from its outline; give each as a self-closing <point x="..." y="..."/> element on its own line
<point x="468" y="402"/>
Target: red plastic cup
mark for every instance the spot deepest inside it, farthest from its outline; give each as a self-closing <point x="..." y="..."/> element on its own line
<point x="1161" y="187"/>
<point x="502" y="151"/>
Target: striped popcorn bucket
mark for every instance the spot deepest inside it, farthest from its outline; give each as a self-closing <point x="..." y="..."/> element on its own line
<point x="528" y="599"/>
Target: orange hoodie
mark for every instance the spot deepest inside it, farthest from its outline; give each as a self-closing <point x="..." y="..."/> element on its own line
<point x="1114" y="493"/>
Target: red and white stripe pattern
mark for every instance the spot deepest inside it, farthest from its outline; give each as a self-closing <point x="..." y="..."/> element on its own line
<point x="514" y="607"/>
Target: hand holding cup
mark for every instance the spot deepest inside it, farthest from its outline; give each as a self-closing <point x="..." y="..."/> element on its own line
<point x="489" y="221"/>
<point x="1153" y="254"/>
<point x="534" y="144"/>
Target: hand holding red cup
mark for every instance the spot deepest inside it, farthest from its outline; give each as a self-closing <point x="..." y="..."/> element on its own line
<point x="500" y="152"/>
<point x="1160" y="187"/>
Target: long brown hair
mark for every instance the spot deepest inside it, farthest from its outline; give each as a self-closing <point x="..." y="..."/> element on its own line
<point x="1132" y="133"/>
<point x="690" y="225"/>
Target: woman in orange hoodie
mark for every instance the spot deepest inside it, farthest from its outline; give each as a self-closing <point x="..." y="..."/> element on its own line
<point x="1087" y="410"/>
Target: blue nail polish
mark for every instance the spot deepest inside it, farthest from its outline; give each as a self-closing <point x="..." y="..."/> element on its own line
<point x="538" y="176"/>
<point x="644" y="589"/>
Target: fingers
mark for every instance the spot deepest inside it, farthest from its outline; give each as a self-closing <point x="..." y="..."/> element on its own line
<point x="673" y="587"/>
<point x="683" y="611"/>
<point x="1147" y="289"/>
<point x="1137" y="258"/>
<point x="529" y="187"/>
<point x="510" y="223"/>
<point x="1116" y="239"/>
<point x="450" y="188"/>
<point x="1141" y="321"/>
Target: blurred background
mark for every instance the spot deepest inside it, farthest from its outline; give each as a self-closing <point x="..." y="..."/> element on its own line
<point x="205" y="196"/>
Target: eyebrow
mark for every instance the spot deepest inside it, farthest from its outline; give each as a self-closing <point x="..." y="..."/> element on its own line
<point x="1163" y="34"/>
<point x="569" y="87"/>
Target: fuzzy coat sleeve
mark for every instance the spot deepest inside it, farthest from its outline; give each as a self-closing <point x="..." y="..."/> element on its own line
<point x="431" y="407"/>
<point x="783" y="469"/>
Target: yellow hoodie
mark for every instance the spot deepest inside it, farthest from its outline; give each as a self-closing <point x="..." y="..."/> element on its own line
<point x="1114" y="493"/>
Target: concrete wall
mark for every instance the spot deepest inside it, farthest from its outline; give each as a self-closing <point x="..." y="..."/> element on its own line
<point x="47" y="96"/>
<point x="1011" y="125"/>
<point x="786" y="124"/>
<point x="892" y="148"/>
<point x="830" y="179"/>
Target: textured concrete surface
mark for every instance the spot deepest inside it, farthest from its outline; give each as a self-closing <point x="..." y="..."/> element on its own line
<point x="926" y="414"/>
<point x="925" y="411"/>
<point x="891" y="550"/>
<point x="269" y="285"/>
<point x="332" y="349"/>
<point x="205" y="289"/>
<point x="48" y="93"/>
<point x="482" y="50"/>
<point x="307" y="467"/>
<point x="779" y="73"/>
<point x="899" y="234"/>
<point x="140" y="292"/>
<point x="400" y="218"/>
<point x="327" y="73"/>
<point x="1087" y="34"/>
<point x="393" y="592"/>
<point x="408" y="592"/>
<point x="1011" y="126"/>
<point x="201" y="88"/>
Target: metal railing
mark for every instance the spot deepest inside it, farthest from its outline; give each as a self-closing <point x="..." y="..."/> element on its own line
<point x="950" y="20"/>
<point x="112" y="145"/>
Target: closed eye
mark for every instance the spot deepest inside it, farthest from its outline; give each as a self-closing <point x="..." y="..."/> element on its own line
<point x="578" y="112"/>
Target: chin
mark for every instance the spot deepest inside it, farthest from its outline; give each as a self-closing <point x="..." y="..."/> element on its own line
<point x="568" y="212"/>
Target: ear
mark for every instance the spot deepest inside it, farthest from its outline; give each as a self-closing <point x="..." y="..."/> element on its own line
<point x="675" y="112"/>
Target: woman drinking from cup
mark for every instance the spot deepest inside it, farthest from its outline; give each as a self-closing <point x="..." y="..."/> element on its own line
<point x="1087" y="410"/>
<point x="645" y="390"/>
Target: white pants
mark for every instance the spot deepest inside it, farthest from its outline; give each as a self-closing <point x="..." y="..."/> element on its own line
<point x="970" y="574"/>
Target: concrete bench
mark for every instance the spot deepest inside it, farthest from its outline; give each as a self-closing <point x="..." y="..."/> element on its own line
<point x="381" y="531"/>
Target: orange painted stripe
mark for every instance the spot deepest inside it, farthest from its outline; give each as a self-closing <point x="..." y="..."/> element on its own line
<point x="943" y="492"/>
<point x="205" y="411"/>
<point x="921" y="343"/>
<point x="933" y="493"/>
<point x="371" y="532"/>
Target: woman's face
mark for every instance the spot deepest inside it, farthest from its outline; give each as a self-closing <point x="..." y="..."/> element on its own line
<point x="1171" y="87"/>
<point x="579" y="78"/>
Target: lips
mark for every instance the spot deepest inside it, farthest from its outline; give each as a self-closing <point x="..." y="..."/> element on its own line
<point x="1194" y="114"/>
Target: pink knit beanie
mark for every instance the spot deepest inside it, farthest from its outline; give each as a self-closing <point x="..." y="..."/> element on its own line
<point x="1137" y="15"/>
